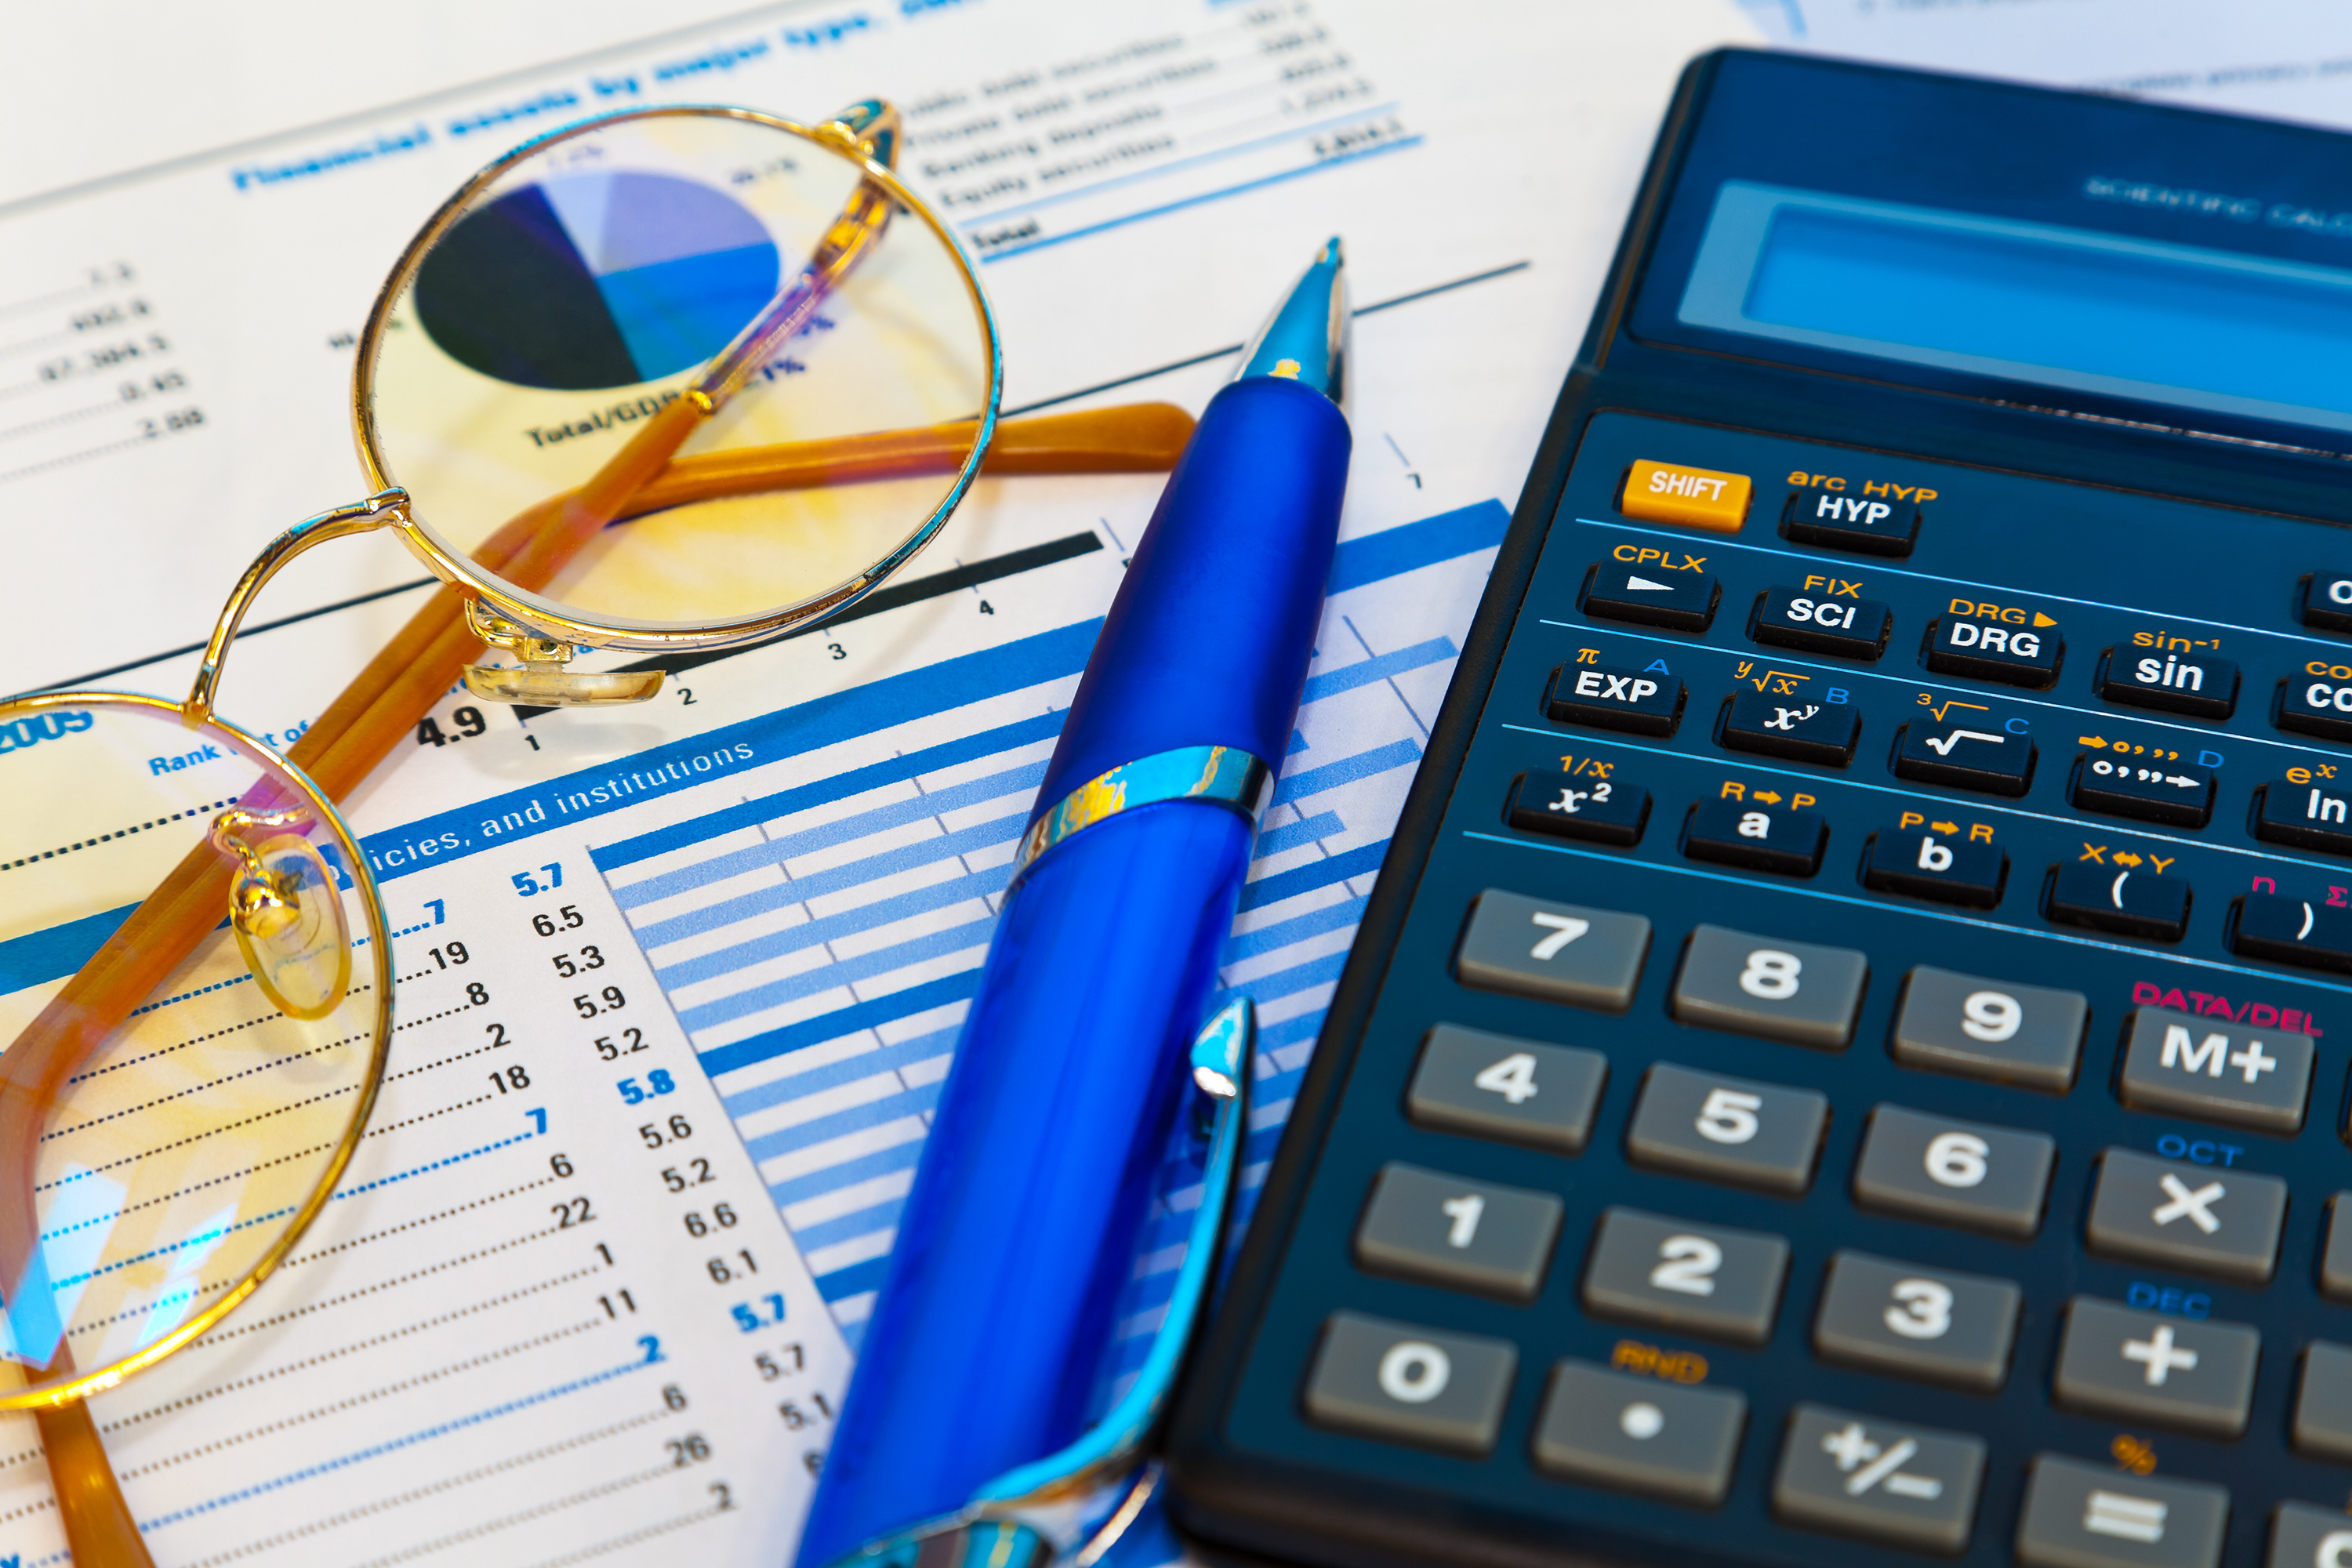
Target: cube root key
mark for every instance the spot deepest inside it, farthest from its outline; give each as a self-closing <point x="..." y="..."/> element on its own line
<point x="1927" y="1144"/>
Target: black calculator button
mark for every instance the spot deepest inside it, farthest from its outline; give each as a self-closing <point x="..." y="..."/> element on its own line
<point x="1636" y="1434"/>
<point x="2308" y="707"/>
<point x="1570" y="805"/>
<point x="2176" y="791"/>
<point x="1410" y="1384"/>
<point x="1921" y="864"/>
<point x="2197" y="685"/>
<point x="2180" y="1065"/>
<point x="2014" y="654"/>
<point x="2336" y="1255"/>
<point x="2119" y="899"/>
<point x="1551" y="952"/>
<point x="1650" y="595"/>
<point x="1757" y="834"/>
<point x="2080" y="1515"/>
<point x="2302" y="1536"/>
<point x="2327" y="604"/>
<point x="2200" y="1219"/>
<point x="1471" y="1236"/>
<point x="1868" y="525"/>
<point x="2290" y="931"/>
<point x="2323" y="1408"/>
<point x="1964" y="751"/>
<point x="1826" y="618"/>
<point x="1994" y="1030"/>
<point x="1727" y="1129"/>
<point x="2192" y="1373"/>
<point x="1517" y="1092"/>
<point x="1637" y="701"/>
<point x="1792" y="727"/>
<point x="1793" y="990"/>
<point x="1954" y="1173"/>
<point x="1912" y="1487"/>
<point x="2304" y="815"/>
<point x="1706" y="1279"/>
<point x="1931" y="1324"/>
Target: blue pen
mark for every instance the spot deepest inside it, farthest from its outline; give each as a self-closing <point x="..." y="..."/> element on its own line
<point x="1020" y="1231"/>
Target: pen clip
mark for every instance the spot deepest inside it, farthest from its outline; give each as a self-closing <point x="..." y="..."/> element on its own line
<point x="1219" y="1065"/>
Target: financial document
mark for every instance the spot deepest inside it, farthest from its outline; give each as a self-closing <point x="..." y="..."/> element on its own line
<point x="678" y="984"/>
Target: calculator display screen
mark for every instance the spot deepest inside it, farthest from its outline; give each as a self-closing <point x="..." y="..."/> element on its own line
<point x="2047" y="304"/>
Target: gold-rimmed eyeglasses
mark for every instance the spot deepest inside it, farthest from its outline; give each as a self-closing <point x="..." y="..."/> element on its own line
<point x="668" y="380"/>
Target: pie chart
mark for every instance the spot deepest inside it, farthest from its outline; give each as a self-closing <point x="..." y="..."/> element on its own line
<point x="600" y="279"/>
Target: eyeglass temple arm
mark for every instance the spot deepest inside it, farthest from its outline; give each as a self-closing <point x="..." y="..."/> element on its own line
<point x="378" y="509"/>
<point x="868" y="130"/>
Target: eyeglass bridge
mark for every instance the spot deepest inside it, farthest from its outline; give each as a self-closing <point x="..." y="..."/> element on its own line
<point x="543" y="680"/>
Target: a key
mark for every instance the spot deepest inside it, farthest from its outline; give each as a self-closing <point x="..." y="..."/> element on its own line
<point x="2121" y="898"/>
<point x="1727" y="1129"/>
<point x="1554" y="952"/>
<point x="1936" y="1325"/>
<point x="1639" y="1434"/>
<point x="2079" y="1515"/>
<point x="1636" y="701"/>
<point x="1822" y="618"/>
<point x="2292" y="931"/>
<point x="1992" y="1029"/>
<point x="1570" y="805"/>
<point x="1650" y="595"/>
<point x="1757" y="835"/>
<point x="1409" y="1384"/>
<point x="1966" y="750"/>
<point x="1472" y="1236"/>
<point x="1520" y="1092"/>
<point x="2196" y="684"/>
<point x="2173" y="791"/>
<point x="1913" y="1487"/>
<point x="1920" y="863"/>
<point x="1794" y="991"/>
<point x="1706" y="1279"/>
<point x="2176" y="1064"/>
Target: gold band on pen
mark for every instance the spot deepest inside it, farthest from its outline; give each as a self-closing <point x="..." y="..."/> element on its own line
<point x="1219" y="776"/>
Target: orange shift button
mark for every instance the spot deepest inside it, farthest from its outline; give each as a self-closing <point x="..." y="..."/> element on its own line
<point x="1692" y="498"/>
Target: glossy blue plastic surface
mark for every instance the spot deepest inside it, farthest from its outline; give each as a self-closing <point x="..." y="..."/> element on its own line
<point x="1020" y="1231"/>
<point x="1208" y="642"/>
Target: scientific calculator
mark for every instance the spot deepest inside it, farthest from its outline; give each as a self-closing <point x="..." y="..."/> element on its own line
<point x="1846" y="1060"/>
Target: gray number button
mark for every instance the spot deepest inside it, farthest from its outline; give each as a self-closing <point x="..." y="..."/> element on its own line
<point x="2302" y="1536"/>
<point x="2180" y="1065"/>
<point x="2224" y="1223"/>
<point x="1727" y="1129"/>
<point x="1554" y="952"/>
<point x="1959" y="1024"/>
<point x="1491" y="1086"/>
<point x="1954" y="1173"/>
<point x="2195" y="1374"/>
<point x="1702" y="1279"/>
<point x="2323" y="1405"/>
<point x="1635" y="1434"/>
<point x="1473" y="1236"/>
<point x="1790" y="991"/>
<point x="2079" y="1515"/>
<point x="2335" y="1259"/>
<point x="1933" y="1324"/>
<point x="1410" y="1384"/>
<point x="1856" y="1475"/>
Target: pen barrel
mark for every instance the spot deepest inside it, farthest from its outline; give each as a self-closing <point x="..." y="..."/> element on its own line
<point x="1019" y="1234"/>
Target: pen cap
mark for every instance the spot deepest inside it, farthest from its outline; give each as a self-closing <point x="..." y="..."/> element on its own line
<point x="1209" y="639"/>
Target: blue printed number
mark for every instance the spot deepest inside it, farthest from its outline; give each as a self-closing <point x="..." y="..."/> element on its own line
<point x="659" y="1081"/>
<point x="651" y="1345"/>
<point x="753" y="1316"/>
<point x="527" y="884"/>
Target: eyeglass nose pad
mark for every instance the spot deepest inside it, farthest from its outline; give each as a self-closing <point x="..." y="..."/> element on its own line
<point x="542" y="680"/>
<point x="290" y="926"/>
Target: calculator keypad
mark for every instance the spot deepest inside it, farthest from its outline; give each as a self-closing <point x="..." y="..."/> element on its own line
<point x="1712" y="1280"/>
<point x="2323" y="1402"/>
<point x="1985" y="1089"/>
<point x="1948" y="1171"/>
<point x="1991" y="1029"/>
<point x="1856" y="1475"/>
<point x="1932" y="1325"/>
<point x="1638" y="1434"/>
<point x="1793" y="990"/>
<point x="1472" y="1236"/>
<point x="2225" y="1224"/>
<point x="2093" y="1516"/>
<point x="1727" y="1129"/>
<point x="1518" y="1092"/>
<point x="2192" y="1375"/>
<point x="1410" y="1384"/>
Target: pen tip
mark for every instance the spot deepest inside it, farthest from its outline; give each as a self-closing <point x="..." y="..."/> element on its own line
<point x="1331" y="255"/>
<point x="1305" y="338"/>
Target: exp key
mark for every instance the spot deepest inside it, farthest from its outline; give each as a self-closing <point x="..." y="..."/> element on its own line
<point x="1639" y="702"/>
